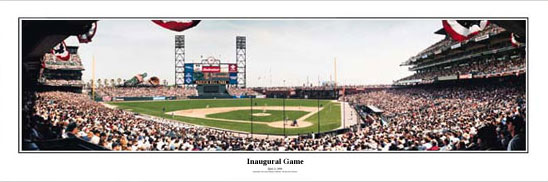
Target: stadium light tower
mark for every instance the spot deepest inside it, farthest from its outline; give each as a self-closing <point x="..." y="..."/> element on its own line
<point x="241" y="60"/>
<point x="179" y="60"/>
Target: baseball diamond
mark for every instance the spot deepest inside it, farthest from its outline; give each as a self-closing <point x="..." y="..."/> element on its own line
<point x="235" y="114"/>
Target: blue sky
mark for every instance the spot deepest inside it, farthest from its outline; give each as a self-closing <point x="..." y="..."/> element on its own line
<point x="368" y="51"/>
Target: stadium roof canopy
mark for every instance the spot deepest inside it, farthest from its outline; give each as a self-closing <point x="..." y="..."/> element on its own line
<point x="40" y="36"/>
<point x="441" y="31"/>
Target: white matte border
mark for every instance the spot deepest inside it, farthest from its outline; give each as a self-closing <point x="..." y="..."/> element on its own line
<point x="172" y="166"/>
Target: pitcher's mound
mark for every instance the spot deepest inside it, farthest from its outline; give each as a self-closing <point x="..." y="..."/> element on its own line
<point x="261" y="114"/>
<point x="280" y="124"/>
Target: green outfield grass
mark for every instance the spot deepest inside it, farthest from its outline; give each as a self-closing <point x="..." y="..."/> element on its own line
<point x="329" y="115"/>
<point x="245" y="115"/>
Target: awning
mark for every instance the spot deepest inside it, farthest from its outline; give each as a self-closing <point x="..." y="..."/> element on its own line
<point x="375" y="109"/>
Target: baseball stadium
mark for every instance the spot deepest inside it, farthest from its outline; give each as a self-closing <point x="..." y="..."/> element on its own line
<point x="466" y="91"/>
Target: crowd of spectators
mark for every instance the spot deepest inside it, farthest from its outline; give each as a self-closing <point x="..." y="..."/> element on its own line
<point x="50" y="61"/>
<point x="60" y="115"/>
<point x="56" y="72"/>
<point x="52" y="82"/>
<point x="241" y="91"/>
<point x="366" y="86"/>
<point x="478" y="118"/>
<point x="163" y="91"/>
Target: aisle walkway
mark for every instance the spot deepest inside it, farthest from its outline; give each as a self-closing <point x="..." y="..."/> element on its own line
<point x="348" y="115"/>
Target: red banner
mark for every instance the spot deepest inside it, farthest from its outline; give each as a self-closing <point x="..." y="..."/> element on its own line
<point x="177" y="26"/>
<point x="86" y="37"/>
<point x="61" y="52"/>
<point x="211" y="69"/>
<point x="461" y="30"/>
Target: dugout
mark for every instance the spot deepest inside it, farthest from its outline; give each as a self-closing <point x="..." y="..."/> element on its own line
<point x="371" y="109"/>
<point x="370" y="113"/>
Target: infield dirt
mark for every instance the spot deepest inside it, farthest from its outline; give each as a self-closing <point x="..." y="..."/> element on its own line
<point x="203" y="112"/>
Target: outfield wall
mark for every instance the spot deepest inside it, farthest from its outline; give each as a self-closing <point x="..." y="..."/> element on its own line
<point x="106" y="98"/>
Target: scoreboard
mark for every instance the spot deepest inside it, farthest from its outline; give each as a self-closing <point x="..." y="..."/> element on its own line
<point x="208" y="74"/>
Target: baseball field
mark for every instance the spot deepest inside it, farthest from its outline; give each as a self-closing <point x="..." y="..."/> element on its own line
<point x="267" y="115"/>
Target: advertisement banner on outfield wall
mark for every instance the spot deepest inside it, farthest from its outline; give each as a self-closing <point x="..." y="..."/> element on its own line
<point x="158" y="98"/>
<point x="233" y="78"/>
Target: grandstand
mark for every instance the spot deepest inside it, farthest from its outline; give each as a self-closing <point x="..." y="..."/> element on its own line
<point x="127" y="93"/>
<point x="461" y="97"/>
<point x="487" y="54"/>
<point x="234" y="91"/>
<point x="57" y="74"/>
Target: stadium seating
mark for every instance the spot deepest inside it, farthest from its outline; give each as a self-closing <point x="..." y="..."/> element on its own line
<point x="180" y="93"/>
